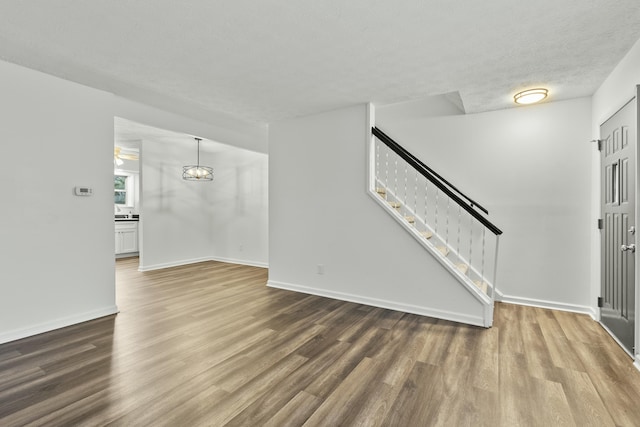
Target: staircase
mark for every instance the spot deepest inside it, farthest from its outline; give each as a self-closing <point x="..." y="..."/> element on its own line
<point x="449" y="225"/>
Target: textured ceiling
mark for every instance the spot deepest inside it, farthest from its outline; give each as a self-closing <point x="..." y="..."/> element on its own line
<point x="272" y="59"/>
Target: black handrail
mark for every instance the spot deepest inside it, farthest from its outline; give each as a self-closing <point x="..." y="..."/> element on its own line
<point x="439" y="182"/>
<point x="383" y="136"/>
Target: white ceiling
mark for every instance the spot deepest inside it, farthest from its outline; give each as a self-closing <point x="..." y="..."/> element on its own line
<point x="272" y="59"/>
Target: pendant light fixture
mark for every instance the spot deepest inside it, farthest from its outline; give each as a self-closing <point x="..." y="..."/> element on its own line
<point x="197" y="172"/>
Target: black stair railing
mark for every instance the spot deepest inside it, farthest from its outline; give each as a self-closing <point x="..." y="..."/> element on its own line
<point x="466" y="203"/>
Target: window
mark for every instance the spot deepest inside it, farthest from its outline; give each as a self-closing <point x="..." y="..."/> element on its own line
<point x="120" y="188"/>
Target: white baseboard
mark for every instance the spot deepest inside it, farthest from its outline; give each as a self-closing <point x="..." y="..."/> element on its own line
<point x="552" y="305"/>
<point x="391" y="305"/>
<point x="203" y="259"/>
<point x="240" y="261"/>
<point x="171" y="264"/>
<point x="40" y="328"/>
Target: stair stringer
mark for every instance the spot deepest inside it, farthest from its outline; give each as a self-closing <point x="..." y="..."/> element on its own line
<point x="486" y="301"/>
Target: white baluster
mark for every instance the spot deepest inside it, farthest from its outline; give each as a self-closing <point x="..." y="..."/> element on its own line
<point x="377" y="174"/>
<point x="415" y="194"/>
<point x="471" y="242"/>
<point x="386" y="169"/>
<point x="459" y="221"/>
<point x="406" y="173"/>
<point x="447" y="225"/>
<point x="426" y="194"/>
<point x="495" y="269"/>
<point x="436" y="215"/>
<point x="395" y="185"/>
<point x="484" y="232"/>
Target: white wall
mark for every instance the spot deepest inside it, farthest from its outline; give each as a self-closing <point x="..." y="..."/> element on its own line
<point x="250" y="136"/>
<point x="174" y="218"/>
<point x="239" y="204"/>
<point x="57" y="250"/>
<point x="185" y="222"/>
<point x="56" y="261"/>
<point x="615" y="91"/>
<point x="319" y="213"/>
<point x="530" y="167"/>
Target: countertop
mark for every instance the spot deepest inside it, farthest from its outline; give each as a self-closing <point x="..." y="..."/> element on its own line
<point x="119" y="218"/>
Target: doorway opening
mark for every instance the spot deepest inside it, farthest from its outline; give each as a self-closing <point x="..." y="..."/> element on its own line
<point x="126" y="188"/>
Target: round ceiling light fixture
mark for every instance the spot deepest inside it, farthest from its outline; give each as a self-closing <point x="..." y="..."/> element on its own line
<point x="530" y="96"/>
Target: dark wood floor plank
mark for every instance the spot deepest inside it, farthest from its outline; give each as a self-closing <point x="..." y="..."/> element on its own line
<point x="420" y="399"/>
<point x="209" y="344"/>
<point x="323" y="385"/>
<point x="440" y="335"/>
<point x="244" y="367"/>
<point x="227" y="409"/>
<point x="267" y="405"/>
<point x="296" y="411"/>
<point x="362" y="324"/>
<point x="485" y="362"/>
<point x="345" y="402"/>
<point x="451" y="385"/>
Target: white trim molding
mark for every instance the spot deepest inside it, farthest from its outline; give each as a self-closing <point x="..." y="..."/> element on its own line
<point x="390" y="305"/>
<point x="551" y="305"/>
<point x="172" y="264"/>
<point x="203" y="259"/>
<point x="57" y="324"/>
<point x="240" y="261"/>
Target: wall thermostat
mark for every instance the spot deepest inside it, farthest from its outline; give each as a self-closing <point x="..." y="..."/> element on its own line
<point x="83" y="191"/>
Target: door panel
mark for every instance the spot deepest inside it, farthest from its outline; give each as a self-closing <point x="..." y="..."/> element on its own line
<point x="618" y="163"/>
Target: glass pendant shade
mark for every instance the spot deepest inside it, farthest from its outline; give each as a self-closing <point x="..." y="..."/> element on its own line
<point x="197" y="172"/>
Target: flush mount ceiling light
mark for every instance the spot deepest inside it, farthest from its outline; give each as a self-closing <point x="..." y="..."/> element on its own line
<point x="530" y="96"/>
<point x="197" y="172"/>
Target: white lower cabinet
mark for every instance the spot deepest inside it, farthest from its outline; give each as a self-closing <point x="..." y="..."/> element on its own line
<point x="126" y="237"/>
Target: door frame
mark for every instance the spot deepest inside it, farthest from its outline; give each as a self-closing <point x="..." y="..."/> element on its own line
<point x="636" y="353"/>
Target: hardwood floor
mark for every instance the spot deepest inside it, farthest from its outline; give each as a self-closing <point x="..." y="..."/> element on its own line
<point x="209" y="344"/>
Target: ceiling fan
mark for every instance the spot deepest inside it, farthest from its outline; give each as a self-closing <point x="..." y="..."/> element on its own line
<point x="119" y="156"/>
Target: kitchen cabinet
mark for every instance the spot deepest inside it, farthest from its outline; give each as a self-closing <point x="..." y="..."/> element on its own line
<point x="126" y="237"/>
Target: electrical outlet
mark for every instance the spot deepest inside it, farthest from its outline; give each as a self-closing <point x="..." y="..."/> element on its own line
<point x="241" y="248"/>
<point x="320" y="269"/>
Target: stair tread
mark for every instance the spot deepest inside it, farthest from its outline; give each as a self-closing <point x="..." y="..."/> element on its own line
<point x="443" y="250"/>
<point x="463" y="268"/>
<point x="395" y="205"/>
<point x="482" y="285"/>
<point x="381" y="190"/>
<point x="427" y="234"/>
<point x="410" y="219"/>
